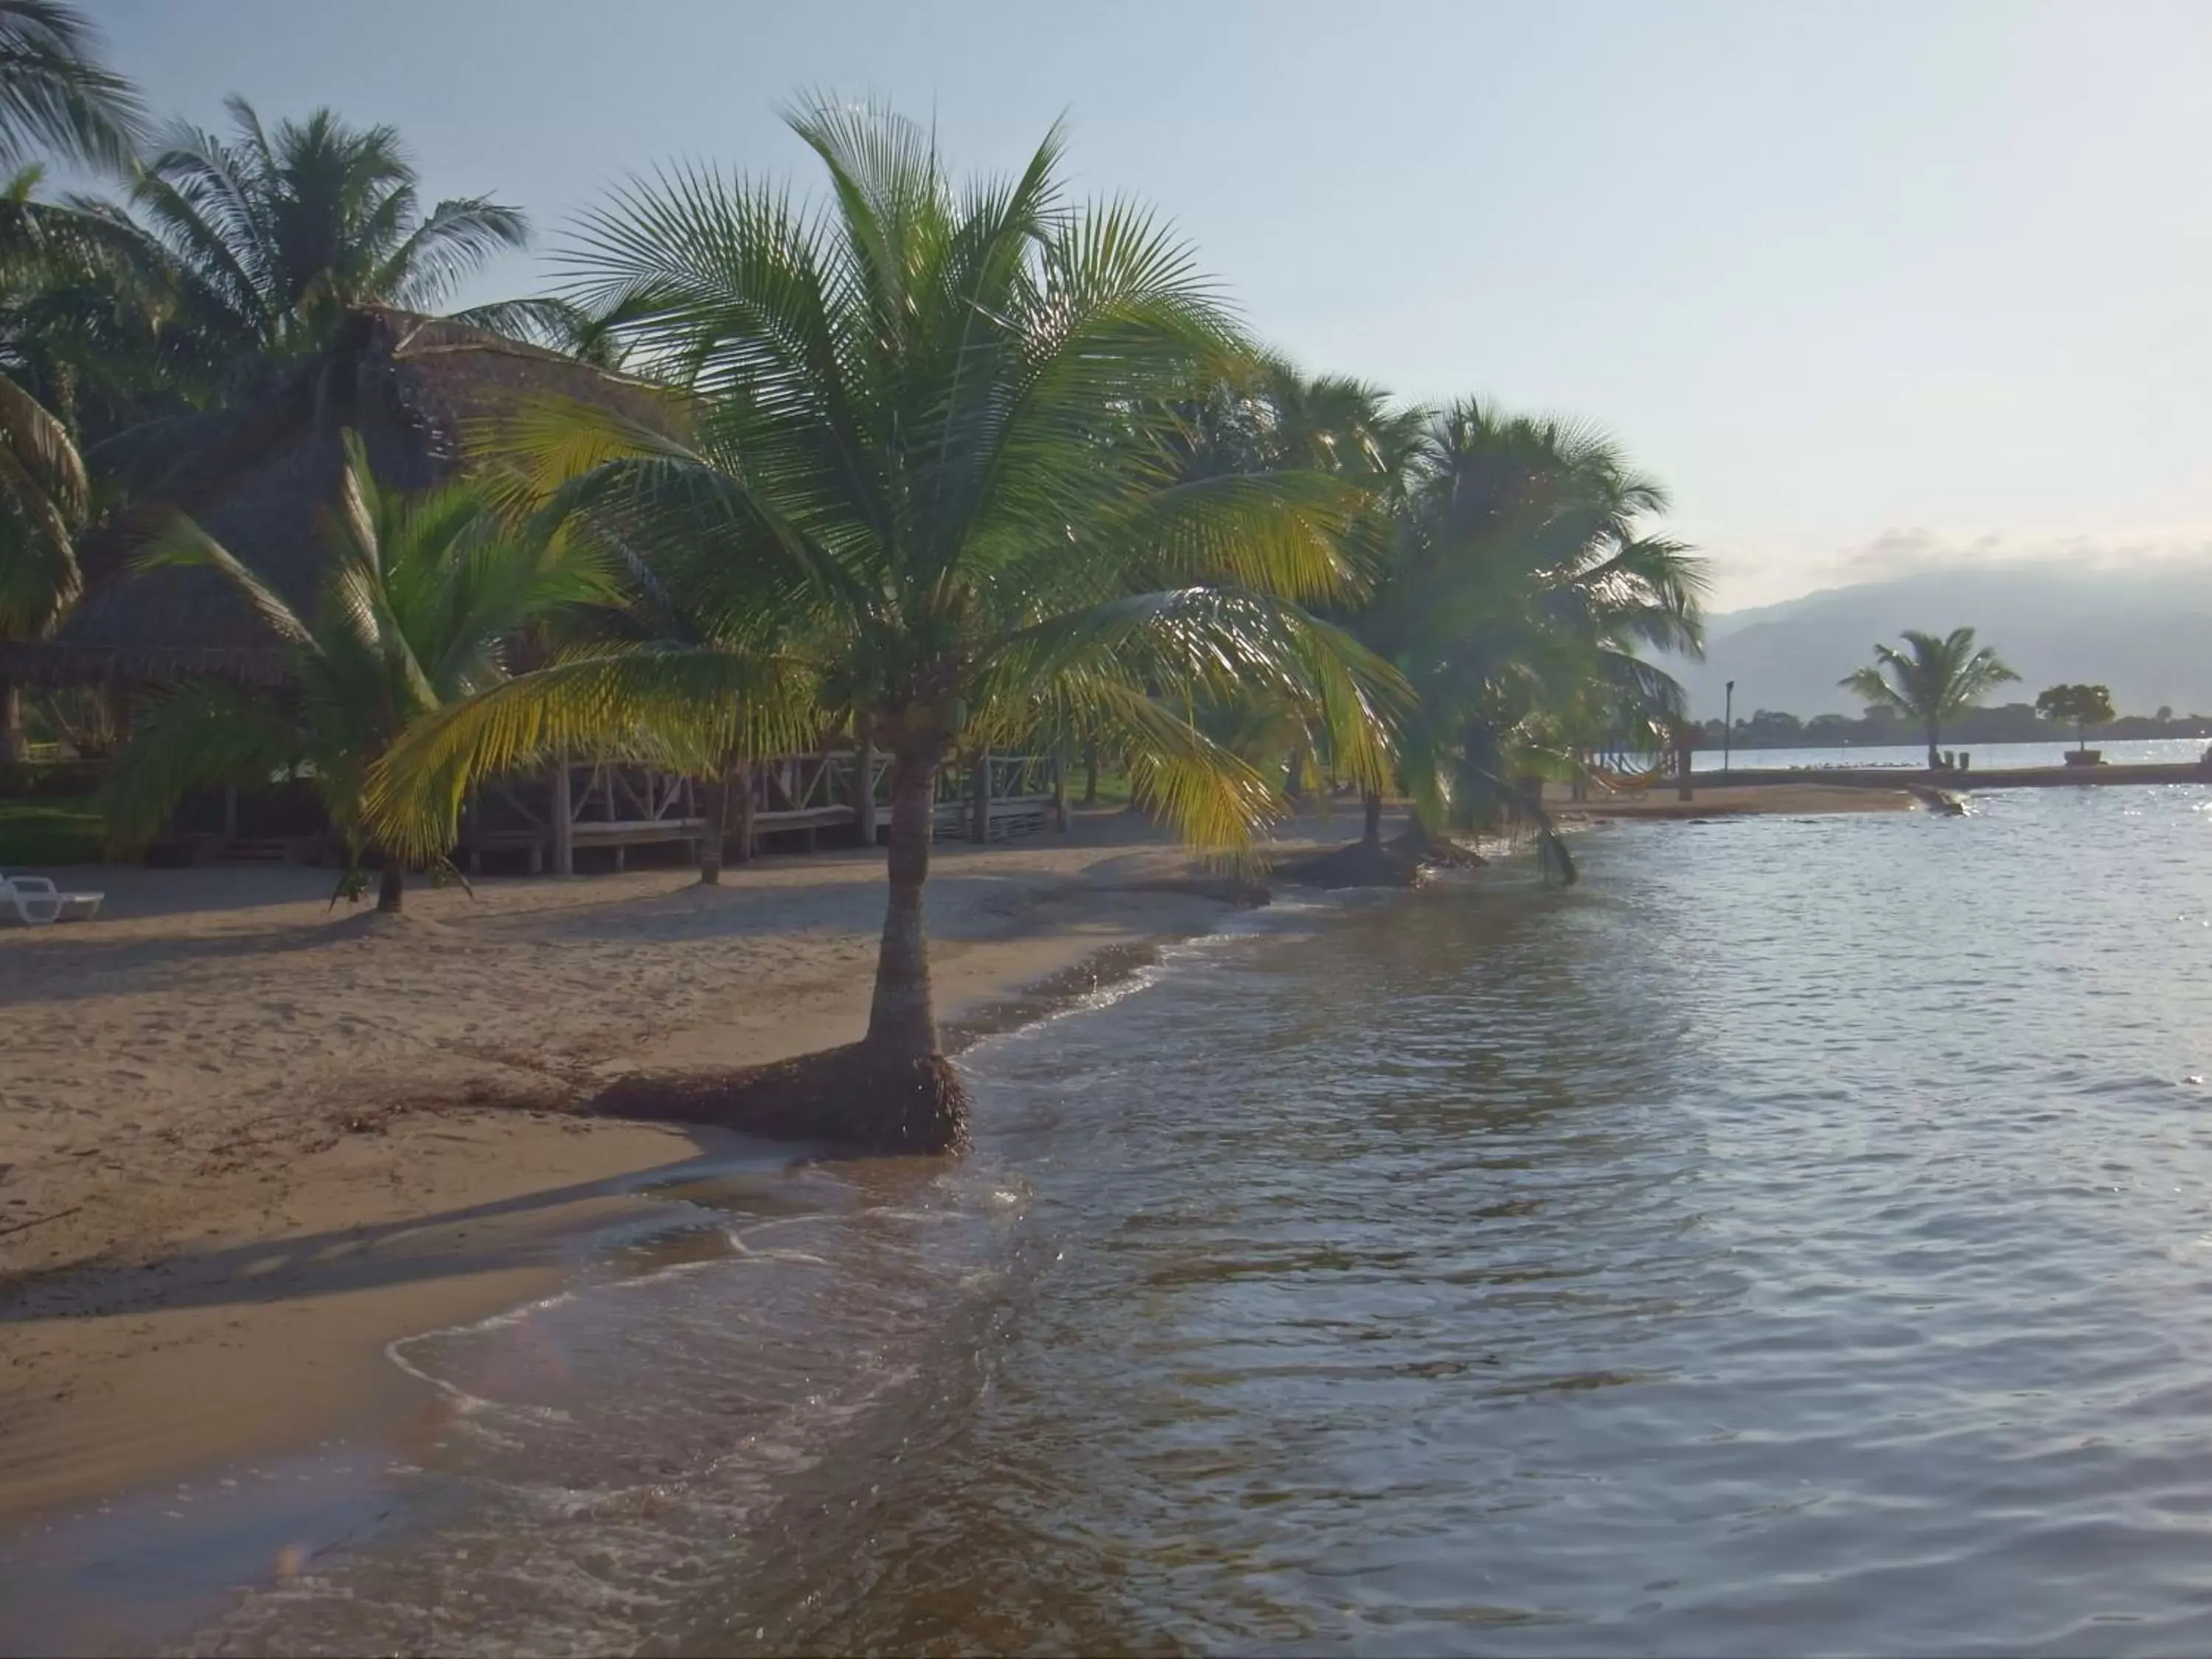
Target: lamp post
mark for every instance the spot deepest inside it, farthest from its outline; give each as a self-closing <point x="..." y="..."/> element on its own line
<point x="1728" y="727"/>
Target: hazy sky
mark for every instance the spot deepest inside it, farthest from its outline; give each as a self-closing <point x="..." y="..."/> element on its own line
<point x="1866" y="285"/>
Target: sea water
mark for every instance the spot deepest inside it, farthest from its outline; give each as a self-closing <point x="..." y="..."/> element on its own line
<point x="1797" y="1236"/>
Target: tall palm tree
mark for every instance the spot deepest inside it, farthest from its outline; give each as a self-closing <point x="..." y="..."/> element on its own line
<point x="928" y="448"/>
<point x="1930" y="681"/>
<point x="44" y="494"/>
<point x="424" y="599"/>
<point x="271" y="236"/>
<point x="55" y="96"/>
<point x="1520" y="596"/>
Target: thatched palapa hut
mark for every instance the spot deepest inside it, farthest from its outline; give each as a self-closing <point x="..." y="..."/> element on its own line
<point x="258" y="479"/>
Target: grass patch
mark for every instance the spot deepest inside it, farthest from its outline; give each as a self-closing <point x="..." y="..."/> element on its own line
<point x="50" y="832"/>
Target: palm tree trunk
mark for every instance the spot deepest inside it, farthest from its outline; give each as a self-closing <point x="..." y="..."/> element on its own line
<point x="390" y="886"/>
<point x="1091" y="775"/>
<point x="1935" y="760"/>
<point x="717" y="827"/>
<point x="1371" y="837"/>
<point x="11" y="721"/>
<point x="902" y="1021"/>
<point x="743" y="783"/>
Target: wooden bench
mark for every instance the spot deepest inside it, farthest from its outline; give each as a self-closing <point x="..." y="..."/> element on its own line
<point x="529" y="842"/>
<point x="1021" y="815"/>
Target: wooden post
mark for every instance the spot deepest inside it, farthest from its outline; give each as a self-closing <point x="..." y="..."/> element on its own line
<point x="864" y="792"/>
<point x="564" y="841"/>
<point x="1060" y="788"/>
<point x="230" y="811"/>
<point x="982" y="823"/>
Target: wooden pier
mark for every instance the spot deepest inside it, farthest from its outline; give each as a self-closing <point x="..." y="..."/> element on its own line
<point x="1971" y="778"/>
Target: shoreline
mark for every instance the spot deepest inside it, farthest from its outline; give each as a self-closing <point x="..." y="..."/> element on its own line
<point x="223" y="1284"/>
<point x="262" y="1141"/>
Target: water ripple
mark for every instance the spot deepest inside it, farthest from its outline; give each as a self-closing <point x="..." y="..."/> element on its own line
<point x="1795" y="1239"/>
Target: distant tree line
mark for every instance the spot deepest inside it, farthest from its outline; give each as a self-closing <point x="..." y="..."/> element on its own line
<point x="2011" y="722"/>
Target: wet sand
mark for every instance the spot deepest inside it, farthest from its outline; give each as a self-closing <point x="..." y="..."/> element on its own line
<point x="249" y="1141"/>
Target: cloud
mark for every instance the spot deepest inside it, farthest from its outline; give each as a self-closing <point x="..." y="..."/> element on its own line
<point x="1910" y="552"/>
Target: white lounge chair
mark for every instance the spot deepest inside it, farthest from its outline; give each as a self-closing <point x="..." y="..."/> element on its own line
<point x="34" y="902"/>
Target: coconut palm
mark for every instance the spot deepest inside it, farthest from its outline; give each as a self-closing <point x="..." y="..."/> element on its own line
<point x="271" y="236"/>
<point x="1930" y="681"/>
<point x="425" y="597"/>
<point x="927" y="450"/>
<point x="1272" y="417"/>
<point x="55" y="96"/>
<point x="1519" y="599"/>
<point x="42" y="497"/>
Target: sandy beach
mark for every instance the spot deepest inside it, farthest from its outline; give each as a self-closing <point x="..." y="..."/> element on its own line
<point x="246" y="1140"/>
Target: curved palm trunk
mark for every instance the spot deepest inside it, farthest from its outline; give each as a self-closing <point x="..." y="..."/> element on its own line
<point x="903" y="1020"/>
<point x="390" y="885"/>
<point x="1371" y="837"/>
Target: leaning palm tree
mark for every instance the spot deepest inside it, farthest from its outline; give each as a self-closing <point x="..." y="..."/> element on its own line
<point x="1519" y="599"/>
<point x="269" y="237"/>
<point x="55" y="95"/>
<point x="425" y="597"/>
<point x="924" y="474"/>
<point x="1929" y="682"/>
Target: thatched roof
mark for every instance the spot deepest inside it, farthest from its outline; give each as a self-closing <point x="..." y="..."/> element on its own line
<point x="259" y="478"/>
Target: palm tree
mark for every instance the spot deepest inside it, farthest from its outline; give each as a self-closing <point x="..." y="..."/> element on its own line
<point x="44" y="494"/>
<point x="1271" y="417"/>
<point x="55" y="96"/>
<point x="927" y="449"/>
<point x="426" y="596"/>
<point x="1930" y="681"/>
<point x="269" y="237"/>
<point x="1519" y="599"/>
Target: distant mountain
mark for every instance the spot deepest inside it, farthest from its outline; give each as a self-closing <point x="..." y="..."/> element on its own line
<point x="2145" y="633"/>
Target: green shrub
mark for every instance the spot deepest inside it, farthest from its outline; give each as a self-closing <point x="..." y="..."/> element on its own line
<point x="34" y="832"/>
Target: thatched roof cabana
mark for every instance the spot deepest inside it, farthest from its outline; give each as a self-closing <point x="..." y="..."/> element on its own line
<point x="258" y="479"/>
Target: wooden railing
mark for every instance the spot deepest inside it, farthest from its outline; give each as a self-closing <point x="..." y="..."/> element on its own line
<point x="609" y="805"/>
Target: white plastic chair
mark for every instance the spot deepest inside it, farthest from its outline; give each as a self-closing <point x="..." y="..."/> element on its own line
<point x="35" y="903"/>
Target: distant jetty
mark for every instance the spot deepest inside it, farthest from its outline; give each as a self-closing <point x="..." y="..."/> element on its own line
<point x="2006" y="777"/>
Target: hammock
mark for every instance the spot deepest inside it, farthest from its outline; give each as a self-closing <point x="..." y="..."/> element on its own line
<point x="1631" y="783"/>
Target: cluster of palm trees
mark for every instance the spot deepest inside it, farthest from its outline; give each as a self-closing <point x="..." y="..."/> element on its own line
<point x="933" y="468"/>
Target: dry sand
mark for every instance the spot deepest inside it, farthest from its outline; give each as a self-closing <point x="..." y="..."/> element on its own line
<point x="245" y="1141"/>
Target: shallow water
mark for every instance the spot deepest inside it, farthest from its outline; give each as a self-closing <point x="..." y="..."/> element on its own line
<point x="1796" y="1238"/>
